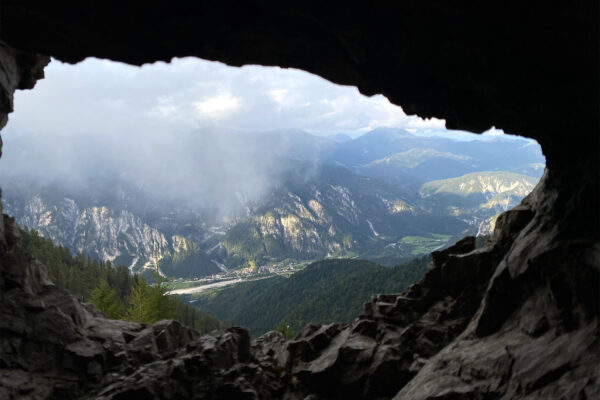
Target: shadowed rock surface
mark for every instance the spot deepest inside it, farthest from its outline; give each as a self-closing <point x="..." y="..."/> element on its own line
<point x="517" y="318"/>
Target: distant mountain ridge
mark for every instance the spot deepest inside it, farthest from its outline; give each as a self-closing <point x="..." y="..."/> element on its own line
<point x="401" y="157"/>
<point x="416" y="156"/>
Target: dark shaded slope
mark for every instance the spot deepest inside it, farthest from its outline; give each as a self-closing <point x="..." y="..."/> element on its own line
<point x="324" y="292"/>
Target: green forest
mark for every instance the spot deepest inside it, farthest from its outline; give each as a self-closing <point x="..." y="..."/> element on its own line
<point x="112" y="289"/>
<point x="325" y="291"/>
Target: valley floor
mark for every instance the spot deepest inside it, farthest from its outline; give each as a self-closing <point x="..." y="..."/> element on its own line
<point x="230" y="278"/>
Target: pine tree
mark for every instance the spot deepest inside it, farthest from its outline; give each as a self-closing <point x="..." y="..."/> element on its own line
<point x="162" y="306"/>
<point x="285" y="330"/>
<point x="148" y="304"/>
<point x="112" y="288"/>
<point x="139" y="303"/>
<point x="106" y="300"/>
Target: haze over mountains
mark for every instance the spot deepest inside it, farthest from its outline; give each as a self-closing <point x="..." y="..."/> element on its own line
<point x="214" y="200"/>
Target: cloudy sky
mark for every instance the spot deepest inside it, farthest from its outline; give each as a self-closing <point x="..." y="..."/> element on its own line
<point x="169" y="126"/>
<point x="108" y="97"/>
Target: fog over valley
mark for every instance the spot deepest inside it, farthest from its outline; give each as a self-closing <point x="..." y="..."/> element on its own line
<point x="201" y="133"/>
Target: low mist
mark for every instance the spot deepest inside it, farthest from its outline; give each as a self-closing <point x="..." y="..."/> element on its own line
<point x="197" y="132"/>
<point x="201" y="134"/>
<point x="208" y="169"/>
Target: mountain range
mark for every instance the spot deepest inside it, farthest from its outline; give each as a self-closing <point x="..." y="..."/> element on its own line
<point x="424" y="158"/>
<point x="388" y="193"/>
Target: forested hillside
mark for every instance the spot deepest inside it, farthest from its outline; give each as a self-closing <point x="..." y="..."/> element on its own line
<point x="325" y="291"/>
<point x="111" y="288"/>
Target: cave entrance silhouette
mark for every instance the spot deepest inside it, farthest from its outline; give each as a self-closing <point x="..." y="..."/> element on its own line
<point x="517" y="318"/>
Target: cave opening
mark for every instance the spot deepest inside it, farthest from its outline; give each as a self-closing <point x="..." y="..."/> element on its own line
<point x="180" y="164"/>
<point x="515" y="318"/>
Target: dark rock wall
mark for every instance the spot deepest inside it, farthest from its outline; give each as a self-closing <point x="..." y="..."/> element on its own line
<point x="517" y="318"/>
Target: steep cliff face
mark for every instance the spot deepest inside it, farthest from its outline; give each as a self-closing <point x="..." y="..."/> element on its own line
<point x="517" y="318"/>
<point x="334" y="213"/>
<point x="109" y="235"/>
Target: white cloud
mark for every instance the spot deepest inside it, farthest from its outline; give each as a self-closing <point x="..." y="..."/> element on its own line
<point x="103" y="97"/>
<point x="494" y="132"/>
<point x="217" y="107"/>
<point x="150" y="121"/>
<point x="426" y="123"/>
<point x="278" y="96"/>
